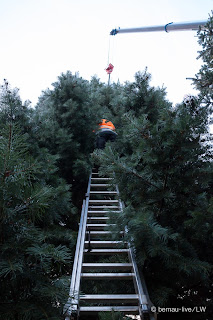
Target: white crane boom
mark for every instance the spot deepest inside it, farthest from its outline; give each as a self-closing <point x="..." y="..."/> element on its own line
<point x="179" y="26"/>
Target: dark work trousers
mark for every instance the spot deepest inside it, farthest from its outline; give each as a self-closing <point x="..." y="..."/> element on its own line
<point x="103" y="136"/>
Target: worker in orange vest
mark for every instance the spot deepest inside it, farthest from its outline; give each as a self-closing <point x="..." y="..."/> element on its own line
<point x="106" y="132"/>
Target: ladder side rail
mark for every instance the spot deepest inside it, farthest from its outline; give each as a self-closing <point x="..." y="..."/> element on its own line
<point x="72" y="303"/>
<point x="145" y="302"/>
<point x="72" y="293"/>
<point x="81" y="248"/>
<point x="76" y="262"/>
<point x="142" y="292"/>
<point x="141" y="289"/>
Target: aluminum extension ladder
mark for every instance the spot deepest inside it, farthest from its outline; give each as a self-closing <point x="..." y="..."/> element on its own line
<point x="94" y="239"/>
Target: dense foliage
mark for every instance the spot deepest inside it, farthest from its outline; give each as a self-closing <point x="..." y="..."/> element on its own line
<point x="161" y="161"/>
<point x="204" y="78"/>
<point x="163" y="166"/>
<point x="35" y="254"/>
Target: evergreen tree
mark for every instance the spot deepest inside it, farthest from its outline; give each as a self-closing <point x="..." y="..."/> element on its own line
<point x="162" y="164"/>
<point x="66" y="118"/>
<point x="65" y="123"/>
<point x="204" y="78"/>
<point x="35" y="247"/>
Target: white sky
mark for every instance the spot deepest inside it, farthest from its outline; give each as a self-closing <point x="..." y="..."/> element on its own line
<point x="40" y="39"/>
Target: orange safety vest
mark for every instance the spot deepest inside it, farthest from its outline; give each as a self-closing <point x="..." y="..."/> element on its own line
<point x="105" y="124"/>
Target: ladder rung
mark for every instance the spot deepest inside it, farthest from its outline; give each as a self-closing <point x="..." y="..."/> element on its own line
<point x="108" y="266"/>
<point x="100" y="185"/>
<point x="97" y="212"/>
<point x="103" y="207"/>
<point x="126" y="309"/>
<point x="93" y="213"/>
<point x="103" y="201"/>
<point x="91" y="219"/>
<point x="103" y="244"/>
<point x="106" y="251"/>
<point x="99" y="234"/>
<point x="104" y="192"/>
<point x="99" y="225"/>
<point x="103" y="276"/>
<point x="110" y="297"/>
<point x="99" y="179"/>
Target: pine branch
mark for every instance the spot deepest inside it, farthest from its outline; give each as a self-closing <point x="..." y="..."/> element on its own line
<point x="142" y="132"/>
<point x="164" y="188"/>
<point x="9" y="173"/>
<point x="135" y="173"/>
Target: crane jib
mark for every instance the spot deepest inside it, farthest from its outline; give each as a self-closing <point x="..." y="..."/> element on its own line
<point x="168" y="27"/>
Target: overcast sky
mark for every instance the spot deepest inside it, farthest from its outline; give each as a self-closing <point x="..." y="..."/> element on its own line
<point x="40" y="39"/>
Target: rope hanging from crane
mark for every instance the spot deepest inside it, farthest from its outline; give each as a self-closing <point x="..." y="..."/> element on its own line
<point x="110" y="66"/>
<point x="109" y="70"/>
